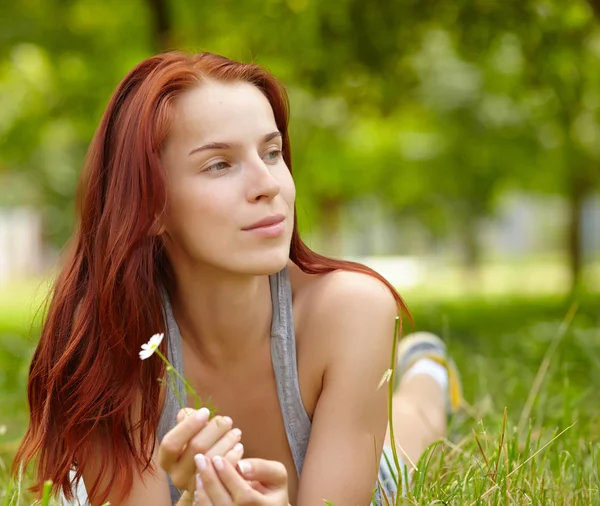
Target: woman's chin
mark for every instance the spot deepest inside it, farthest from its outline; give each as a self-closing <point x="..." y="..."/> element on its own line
<point x="266" y="264"/>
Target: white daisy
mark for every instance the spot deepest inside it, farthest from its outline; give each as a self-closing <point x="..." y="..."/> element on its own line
<point x="150" y="347"/>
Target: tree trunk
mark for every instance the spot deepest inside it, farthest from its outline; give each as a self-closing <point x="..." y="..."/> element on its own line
<point x="331" y="223"/>
<point x="576" y="197"/>
<point x="595" y="5"/>
<point x="471" y="250"/>
<point x="162" y="24"/>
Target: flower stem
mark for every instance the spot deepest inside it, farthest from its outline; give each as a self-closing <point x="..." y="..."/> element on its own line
<point x="188" y="387"/>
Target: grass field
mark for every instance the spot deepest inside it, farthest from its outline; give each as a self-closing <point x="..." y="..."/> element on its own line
<point x="537" y="359"/>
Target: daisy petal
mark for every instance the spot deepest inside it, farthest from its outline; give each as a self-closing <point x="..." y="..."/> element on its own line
<point x="144" y="354"/>
<point x="151" y="346"/>
<point x="157" y="338"/>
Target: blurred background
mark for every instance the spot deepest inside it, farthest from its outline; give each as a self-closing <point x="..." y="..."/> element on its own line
<point x="453" y="146"/>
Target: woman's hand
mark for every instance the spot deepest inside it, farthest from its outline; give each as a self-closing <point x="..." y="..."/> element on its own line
<point x="258" y="482"/>
<point x="194" y="434"/>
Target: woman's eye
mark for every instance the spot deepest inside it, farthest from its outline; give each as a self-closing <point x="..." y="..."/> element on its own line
<point x="217" y="167"/>
<point x="273" y="155"/>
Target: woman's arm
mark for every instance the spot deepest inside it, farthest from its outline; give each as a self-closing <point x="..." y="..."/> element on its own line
<point x="352" y="321"/>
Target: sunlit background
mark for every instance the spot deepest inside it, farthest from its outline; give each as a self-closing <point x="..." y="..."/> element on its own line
<point x="455" y="146"/>
<point x="452" y="145"/>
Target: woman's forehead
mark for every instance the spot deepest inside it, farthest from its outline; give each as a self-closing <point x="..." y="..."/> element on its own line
<point x="223" y="112"/>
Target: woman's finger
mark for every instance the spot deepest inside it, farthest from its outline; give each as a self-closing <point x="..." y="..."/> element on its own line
<point x="238" y="488"/>
<point x="209" y="481"/>
<point x="235" y="455"/>
<point x="225" y="444"/>
<point x="269" y="472"/>
<point x="175" y="441"/>
<point x="202" y="442"/>
<point x="182" y="413"/>
<point x="259" y="487"/>
<point x="200" y="497"/>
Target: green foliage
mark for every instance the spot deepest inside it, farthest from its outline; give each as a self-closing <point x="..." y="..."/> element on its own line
<point x="435" y="107"/>
<point x="498" y="344"/>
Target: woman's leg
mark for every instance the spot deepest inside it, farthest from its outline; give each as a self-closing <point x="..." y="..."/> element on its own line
<point x="428" y="390"/>
<point x="418" y="416"/>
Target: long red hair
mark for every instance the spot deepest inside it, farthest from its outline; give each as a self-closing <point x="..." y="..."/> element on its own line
<point x="86" y="374"/>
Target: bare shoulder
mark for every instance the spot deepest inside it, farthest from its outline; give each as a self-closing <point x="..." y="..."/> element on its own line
<point x="338" y="291"/>
<point x="334" y="303"/>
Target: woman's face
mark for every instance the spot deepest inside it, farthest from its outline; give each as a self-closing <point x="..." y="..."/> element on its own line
<point x="226" y="175"/>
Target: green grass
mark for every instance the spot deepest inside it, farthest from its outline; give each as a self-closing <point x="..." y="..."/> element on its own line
<point x="530" y="369"/>
<point x="529" y="435"/>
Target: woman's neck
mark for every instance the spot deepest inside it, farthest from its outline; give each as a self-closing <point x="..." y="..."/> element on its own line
<point x="222" y="317"/>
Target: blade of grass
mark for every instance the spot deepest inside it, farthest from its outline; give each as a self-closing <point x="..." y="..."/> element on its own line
<point x="492" y="474"/>
<point x="544" y="365"/>
<point x="9" y="490"/>
<point x="19" y="481"/>
<point x="46" y="493"/>
<point x="487" y="462"/>
<point x="391" y="394"/>
<point x="489" y="491"/>
<point x="381" y="489"/>
<point x="500" y="446"/>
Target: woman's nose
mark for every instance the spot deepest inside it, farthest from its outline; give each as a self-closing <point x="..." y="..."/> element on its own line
<point x="262" y="183"/>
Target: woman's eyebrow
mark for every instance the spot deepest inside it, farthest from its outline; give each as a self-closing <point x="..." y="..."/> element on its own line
<point x="223" y="145"/>
<point x="271" y="136"/>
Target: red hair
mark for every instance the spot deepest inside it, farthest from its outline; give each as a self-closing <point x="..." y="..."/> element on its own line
<point x="86" y="376"/>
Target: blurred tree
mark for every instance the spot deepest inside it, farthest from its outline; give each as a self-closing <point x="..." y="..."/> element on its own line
<point x="435" y="107"/>
<point x="161" y="24"/>
<point x="59" y="62"/>
<point x="561" y="94"/>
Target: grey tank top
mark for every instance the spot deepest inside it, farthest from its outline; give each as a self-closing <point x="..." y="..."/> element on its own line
<point x="283" y="355"/>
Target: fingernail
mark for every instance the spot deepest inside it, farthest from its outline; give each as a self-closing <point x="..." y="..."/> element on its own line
<point x="202" y="414"/>
<point x="239" y="447"/>
<point x="200" y="461"/>
<point x="199" y="483"/>
<point x="245" y="467"/>
<point x="228" y="420"/>
<point x="236" y="432"/>
<point x="218" y="462"/>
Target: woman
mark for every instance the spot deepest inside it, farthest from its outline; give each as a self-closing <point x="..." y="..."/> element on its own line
<point x="187" y="226"/>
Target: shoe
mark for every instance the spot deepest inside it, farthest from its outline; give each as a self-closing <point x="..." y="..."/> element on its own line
<point x="420" y="345"/>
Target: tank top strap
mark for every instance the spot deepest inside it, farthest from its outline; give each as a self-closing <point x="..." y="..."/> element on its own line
<point x="283" y="354"/>
<point x="171" y="407"/>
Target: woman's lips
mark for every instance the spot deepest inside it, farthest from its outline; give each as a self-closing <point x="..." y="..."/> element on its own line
<point x="272" y="226"/>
